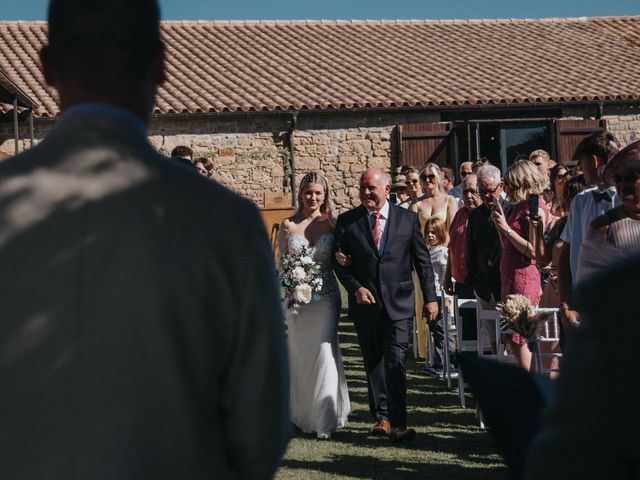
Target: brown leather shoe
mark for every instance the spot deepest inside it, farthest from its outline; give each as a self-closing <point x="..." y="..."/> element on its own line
<point x="402" y="434"/>
<point x="381" y="428"/>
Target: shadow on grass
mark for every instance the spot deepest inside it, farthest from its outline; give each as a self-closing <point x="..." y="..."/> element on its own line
<point x="376" y="468"/>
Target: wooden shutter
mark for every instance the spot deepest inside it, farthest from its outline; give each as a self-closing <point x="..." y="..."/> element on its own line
<point x="424" y="142"/>
<point x="570" y="132"/>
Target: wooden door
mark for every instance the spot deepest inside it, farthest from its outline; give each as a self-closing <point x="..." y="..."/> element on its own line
<point x="569" y="133"/>
<point x="424" y="142"/>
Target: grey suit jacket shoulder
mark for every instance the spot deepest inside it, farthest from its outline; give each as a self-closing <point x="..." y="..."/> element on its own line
<point x="141" y="332"/>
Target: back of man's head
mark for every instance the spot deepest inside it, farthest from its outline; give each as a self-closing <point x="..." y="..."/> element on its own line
<point x="102" y="44"/>
<point x="602" y="144"/>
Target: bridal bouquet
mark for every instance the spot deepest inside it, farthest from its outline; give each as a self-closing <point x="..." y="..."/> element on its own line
<point x="301" y="278"/>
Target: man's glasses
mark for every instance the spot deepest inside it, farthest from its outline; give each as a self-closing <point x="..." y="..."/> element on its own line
<point x="470" y="191"/>
<point x="431" y="177"/>
<point x="410" y="182"/>
<point x="464" y="174"/>
<point x="488" y="191"/>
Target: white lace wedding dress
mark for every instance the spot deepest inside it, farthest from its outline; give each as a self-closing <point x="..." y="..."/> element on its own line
<point x="319" y="396"/>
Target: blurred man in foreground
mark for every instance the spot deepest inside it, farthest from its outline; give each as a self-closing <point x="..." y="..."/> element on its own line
<point x="133" y="343"/>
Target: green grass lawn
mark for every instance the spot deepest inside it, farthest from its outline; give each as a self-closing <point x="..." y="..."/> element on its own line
<point x="449" y="445"/>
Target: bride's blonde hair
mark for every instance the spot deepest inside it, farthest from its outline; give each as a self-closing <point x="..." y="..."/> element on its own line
<point x="316" y="177"/>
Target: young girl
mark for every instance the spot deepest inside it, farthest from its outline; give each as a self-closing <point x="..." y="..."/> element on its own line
<point x="435" y="235"/>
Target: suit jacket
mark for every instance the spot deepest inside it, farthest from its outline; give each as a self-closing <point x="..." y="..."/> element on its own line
<point x="483" y="254"/>
<point x="591" y="428"/>
<point x="387" y="276"/>
<point x="141" y="333"/>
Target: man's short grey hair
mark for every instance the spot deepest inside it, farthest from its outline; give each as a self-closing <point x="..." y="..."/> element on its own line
<point x="465" y="163"/>
<point x="468" y="179"/>
<point x="488" y="173"/>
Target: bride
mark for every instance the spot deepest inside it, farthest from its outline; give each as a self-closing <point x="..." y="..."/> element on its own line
<point x="319" y="397"/>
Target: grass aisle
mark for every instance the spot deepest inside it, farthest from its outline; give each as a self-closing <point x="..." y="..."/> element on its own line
<point x="449" y="445"/>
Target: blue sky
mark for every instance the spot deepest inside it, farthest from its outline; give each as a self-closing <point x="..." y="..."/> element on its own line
<point x="356" y="9"/>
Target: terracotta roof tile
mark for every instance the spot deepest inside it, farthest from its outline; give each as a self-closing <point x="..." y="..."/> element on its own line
<point x="231" y="66"/>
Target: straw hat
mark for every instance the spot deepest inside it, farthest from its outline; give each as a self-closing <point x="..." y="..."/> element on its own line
<point x="399" y="182"/>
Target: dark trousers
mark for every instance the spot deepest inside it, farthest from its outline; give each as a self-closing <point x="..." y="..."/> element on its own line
<point x="384" y="344"/>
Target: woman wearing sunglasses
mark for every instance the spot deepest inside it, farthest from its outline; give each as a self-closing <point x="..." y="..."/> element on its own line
<point x="412" y="181"/>
<point x="616" y="234"/>
<point x="434" y="203"/>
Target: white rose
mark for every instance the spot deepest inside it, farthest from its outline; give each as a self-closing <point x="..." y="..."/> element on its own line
<point x="299" y="273"/>
<point x="303" y="293"/>
<point x="317" y="282"/>
<point x="306" y="260"/>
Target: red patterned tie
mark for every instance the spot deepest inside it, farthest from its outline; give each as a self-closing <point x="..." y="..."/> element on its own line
<point x="376" y="228"/>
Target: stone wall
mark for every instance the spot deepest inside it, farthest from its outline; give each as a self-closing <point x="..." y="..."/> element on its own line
<point x="250" y="154"/>
<point x="342" y="155"/>
<point x="626" y="128"/>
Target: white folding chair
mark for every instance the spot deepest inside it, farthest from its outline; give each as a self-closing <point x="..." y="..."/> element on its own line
<point x="463" y="345"/>
<point x="548" y="340"/>
<point x="450" y="330"/>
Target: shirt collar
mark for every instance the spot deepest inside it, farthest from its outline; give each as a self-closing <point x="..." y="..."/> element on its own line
<point x="384" y="211"/>
<point x="106" y="110"/>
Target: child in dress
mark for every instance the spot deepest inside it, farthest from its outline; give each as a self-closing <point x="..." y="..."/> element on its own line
<point x="435" y="235"/>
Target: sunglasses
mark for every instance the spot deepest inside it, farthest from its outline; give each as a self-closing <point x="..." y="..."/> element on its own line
<point x="410" y="182"/>
<point x="628" y="179"/>
<point x="484" y="191"/>
<point x="470" y="191"/>
<point x="464" y="174"/>
<point x="431" y="177"/>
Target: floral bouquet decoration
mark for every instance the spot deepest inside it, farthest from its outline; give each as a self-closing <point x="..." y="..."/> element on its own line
<point x="517" y="315"/>
<point x="301" y="278"/>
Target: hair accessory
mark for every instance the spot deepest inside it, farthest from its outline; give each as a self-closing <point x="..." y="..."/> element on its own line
<point x="310" y="177"/>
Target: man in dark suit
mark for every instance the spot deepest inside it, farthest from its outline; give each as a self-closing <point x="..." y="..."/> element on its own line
<point x="382" y="244"/>
<point x="141" y="334"/>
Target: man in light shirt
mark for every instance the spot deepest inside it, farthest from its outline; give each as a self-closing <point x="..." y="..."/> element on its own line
<point x="593" y="153"/>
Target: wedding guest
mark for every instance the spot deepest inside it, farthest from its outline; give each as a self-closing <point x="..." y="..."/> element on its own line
<point x="182" y="151"/>
<point x="135" y="345"/>
<point x="549" y="259"/>
<point x="518" y="270"/>
<point x="466" y="169"/>
<point x="434" y="203"/>
<point x="399" y="187"/>
<point x="183" y="155"/>
<point x="558" y="175"/>
<point x="592" y="153"/>
<point x="203" y="165"/>
<point x="435" y="236"/>
<point x="448" y="179"/>
<point x="412" y="181"/>
<point x="615" y="234"/>
<point x="319" y="397"/>
<point x="541" y="159"/>
<point x="483" y="247"/>
<point x="457" y="258"/>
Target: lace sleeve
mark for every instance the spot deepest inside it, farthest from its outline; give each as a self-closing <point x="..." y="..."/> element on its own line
<point x="283" y="234"/>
